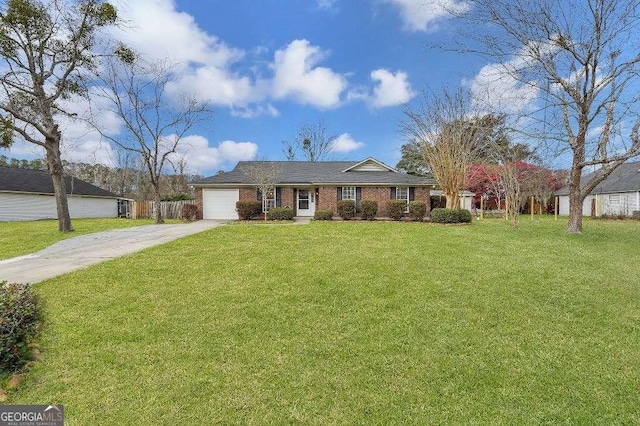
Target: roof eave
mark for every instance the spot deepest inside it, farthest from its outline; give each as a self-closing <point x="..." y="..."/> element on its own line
<point x="250" y="185"/>
<point x="51" y="194"/>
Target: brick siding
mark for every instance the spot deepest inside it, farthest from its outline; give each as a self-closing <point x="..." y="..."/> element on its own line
<point x="378" y="194"/>
<point x="248" y="194"/>
<point x="286" y="197"/>
<point x="199" y="203"/>
<point x="327" y="197"/>
<point x="327" y="200"/>
<point x="424" y="195"/>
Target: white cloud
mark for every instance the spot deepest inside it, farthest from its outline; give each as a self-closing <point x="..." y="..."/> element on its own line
<point x="503" y="87"/>
<point x="216" y="86"/>
<point x="297" y="78"/>
<point x="199" y="156"/>
<point x="329" y="5"/>
<point x="208" y="66"/>
<point x="23" y="150"/>
<point x="345" y="143"/>
<point x="247" y="82"/>
<point x="157" y="30"/>
<point x="90" y="151"/>
<point x="255" y="111"/>
<point x="391" y="89"/>
<point x="359" y="93"/>
<point x="161" y="33"/>
<point x="97" y="108"/>
<point x="424" y="15"/>
<point x="496" y="89"/>
<point x="595" y="132"/>
<point x="80" y="142"/>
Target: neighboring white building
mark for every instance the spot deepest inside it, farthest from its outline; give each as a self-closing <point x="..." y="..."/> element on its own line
<point x="28" y="195"/>
<point x="466" y="198"/>
<point x="618" y="194"/>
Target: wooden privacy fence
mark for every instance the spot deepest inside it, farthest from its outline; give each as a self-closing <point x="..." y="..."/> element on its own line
<point x="146" y="209"/>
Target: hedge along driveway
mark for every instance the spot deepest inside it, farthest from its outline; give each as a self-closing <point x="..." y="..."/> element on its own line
<point x="351" y="322"/>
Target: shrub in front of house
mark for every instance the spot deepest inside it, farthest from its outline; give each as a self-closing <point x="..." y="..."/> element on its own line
<point x="346" y="209"/>
<point x="20" y="322"/>
<point x="450" y="216"/>
<point x="247" y="209"/>
<point x="323" y="215"/>
<point x="189" y="212"/>
<point x="417" y="210"/>
<point x="368" y="209"/>
<point x="177" y="197"/>
<point x="395" y="209"/>
<point x="280" y="213"/>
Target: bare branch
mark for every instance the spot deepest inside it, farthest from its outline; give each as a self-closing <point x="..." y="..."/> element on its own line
<point x="41" y="63"/>
<point x="581" y="57"/>
<point x="312" y="142"/>
<point x="155" y="123"/>
<point x="265" y="176"/>
<point x="450" y="134"/>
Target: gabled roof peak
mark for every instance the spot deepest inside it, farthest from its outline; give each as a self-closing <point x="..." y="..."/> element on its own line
<point x="370" y="164"/>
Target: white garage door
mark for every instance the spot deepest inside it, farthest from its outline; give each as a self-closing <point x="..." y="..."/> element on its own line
<point x="220" y="203"/>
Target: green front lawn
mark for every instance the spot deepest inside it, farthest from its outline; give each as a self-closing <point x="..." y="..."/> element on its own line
<point x="20" y="238"/>
<point x="343" y="323"/>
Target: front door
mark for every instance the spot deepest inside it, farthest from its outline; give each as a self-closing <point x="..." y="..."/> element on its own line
<point x="306" y="202"/>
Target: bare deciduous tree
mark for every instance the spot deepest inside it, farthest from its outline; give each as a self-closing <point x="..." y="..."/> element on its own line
<point x="580" y="59"/>
<point x="155" y="123"/>
<point x="541" y="185"/>
<point x="45" y="47"/>
<point x="312" y="143"/>
<point x="508" y="169"/>
<point x="450" y="134"/>
<point x="264" y="175"/>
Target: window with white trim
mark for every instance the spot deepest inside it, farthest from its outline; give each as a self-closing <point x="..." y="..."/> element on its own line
<point x="614" y="199"/>
<point x="402" y="193"/>
<point x="268" y="200"/>
<point x="349" y="193"/>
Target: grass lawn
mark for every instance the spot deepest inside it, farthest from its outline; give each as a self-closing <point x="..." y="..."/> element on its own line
<point x="20" y="238"/>
<point x="351" y="323"/>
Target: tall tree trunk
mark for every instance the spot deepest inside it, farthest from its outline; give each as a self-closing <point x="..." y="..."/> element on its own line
<point x="453" y="201"/>
<point x="575" y="201"/>
<point x="156" y="200"/>
<point x="514" y="212"/>
<point x="56" y="170"/>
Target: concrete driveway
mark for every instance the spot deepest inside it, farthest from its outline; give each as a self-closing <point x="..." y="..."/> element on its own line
<point x="79" y="252"/>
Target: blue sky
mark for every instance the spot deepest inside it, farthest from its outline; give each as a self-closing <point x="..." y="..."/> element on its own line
<point x="353" y="39"/>
<point x="267" y="67"/>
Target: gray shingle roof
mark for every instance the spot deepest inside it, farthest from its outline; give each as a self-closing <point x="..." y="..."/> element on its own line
<point x="316" y="173"/>
<point x="38" y="181"/>
<point x="625" y="178"/>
